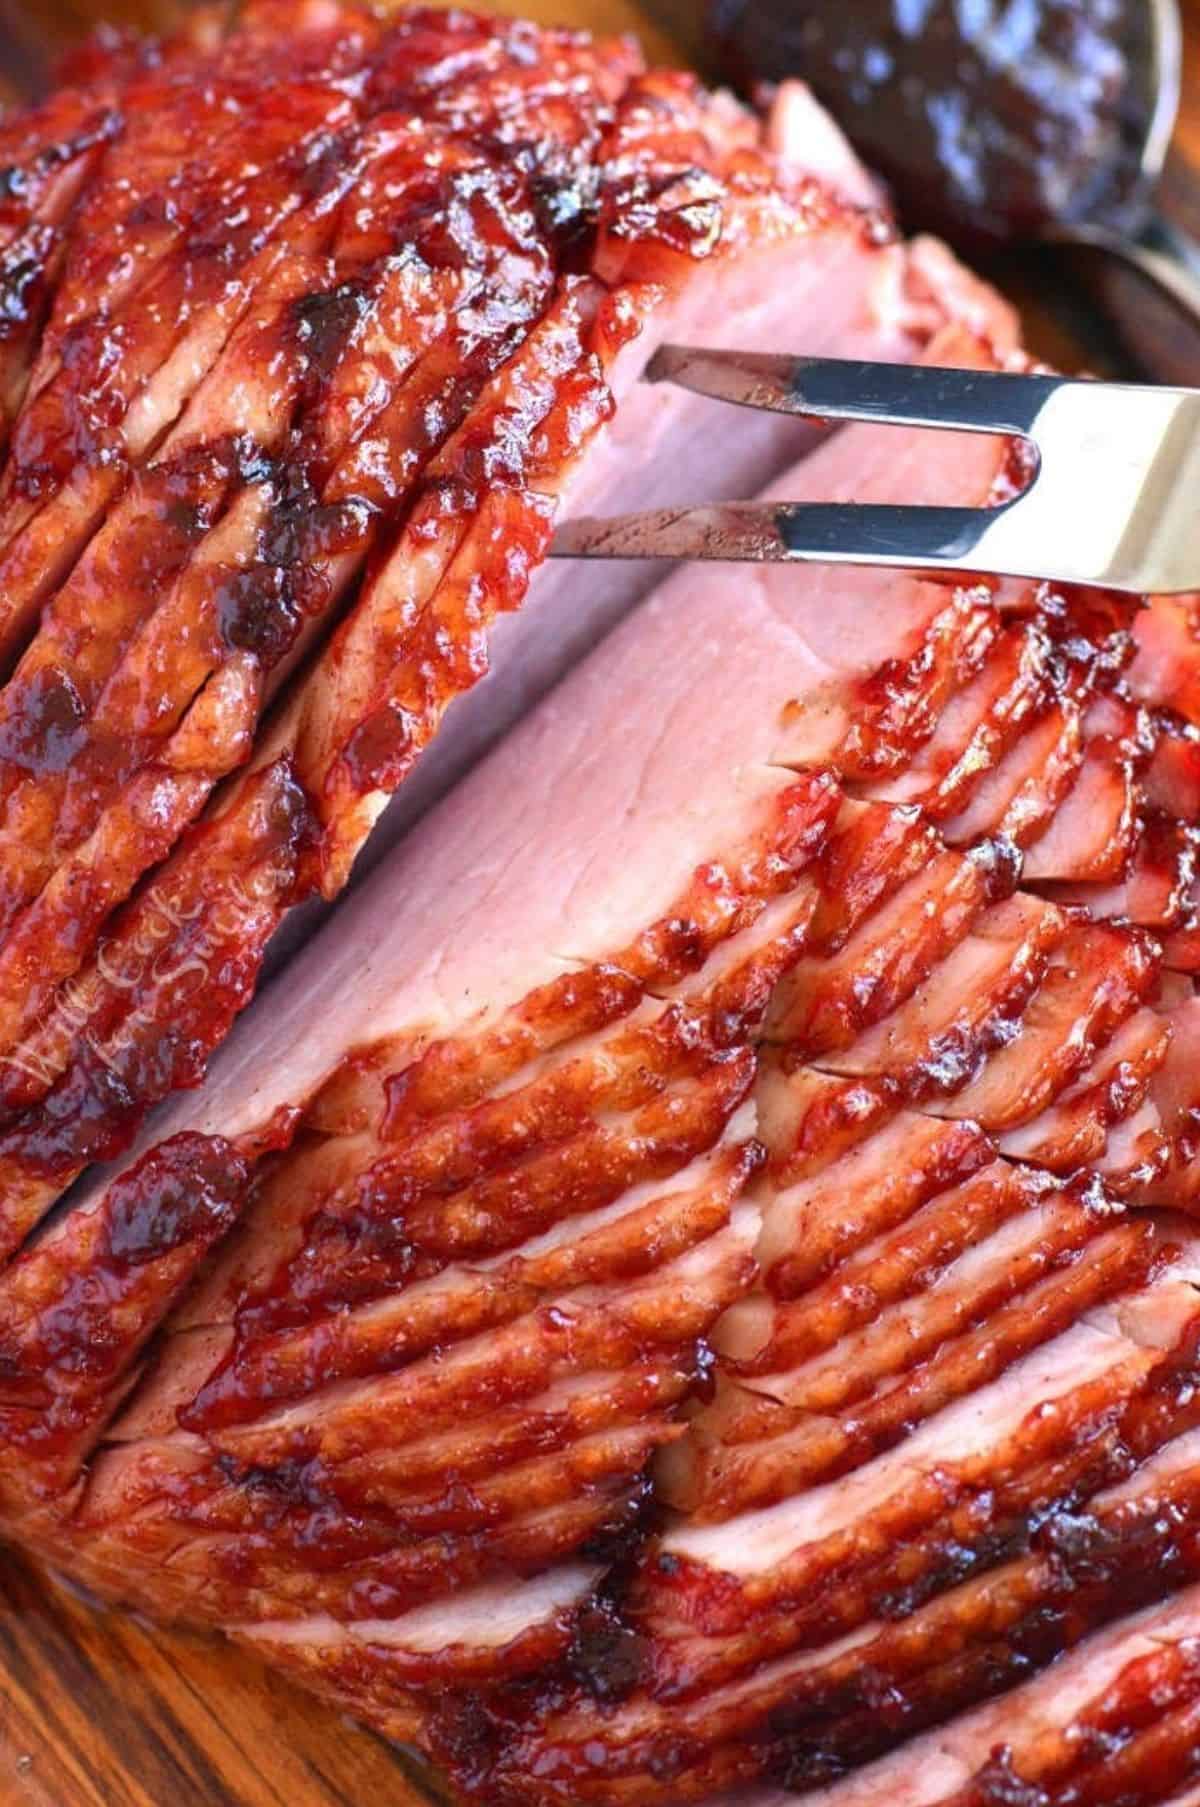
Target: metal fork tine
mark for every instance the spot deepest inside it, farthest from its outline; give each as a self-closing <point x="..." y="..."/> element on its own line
<point x="774" y="532"/>
<point x="1110" y="502"/>
<point x="915" y="395"/>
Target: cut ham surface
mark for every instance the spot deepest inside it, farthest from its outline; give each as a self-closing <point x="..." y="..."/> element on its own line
<point x="682" y="1291"/>
<point x="296" y="431"/>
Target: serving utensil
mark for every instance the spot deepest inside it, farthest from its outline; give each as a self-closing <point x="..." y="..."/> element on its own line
<point x="1112" y="498"/>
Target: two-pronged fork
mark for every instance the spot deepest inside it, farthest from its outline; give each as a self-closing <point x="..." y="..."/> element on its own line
<point x="1113" y="498"/>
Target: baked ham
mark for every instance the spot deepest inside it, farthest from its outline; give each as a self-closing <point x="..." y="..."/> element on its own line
<point x="333" y="327"/>
<point x="683" y="1290"/>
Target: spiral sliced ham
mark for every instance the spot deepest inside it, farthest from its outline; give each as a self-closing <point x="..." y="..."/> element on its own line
<point x="325" y="347"/>
<point x="682" y="1291"/>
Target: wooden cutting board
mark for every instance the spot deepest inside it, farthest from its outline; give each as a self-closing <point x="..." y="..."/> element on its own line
<point x="101" y="1710"/>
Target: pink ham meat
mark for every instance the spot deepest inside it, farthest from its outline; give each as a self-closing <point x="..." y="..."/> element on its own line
<point x="327" y="347"/>
<point x="683" y="1290"/>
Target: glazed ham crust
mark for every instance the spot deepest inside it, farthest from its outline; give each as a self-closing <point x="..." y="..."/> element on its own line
<point x="683" y="1291"/>
<point x="326" y="331"/>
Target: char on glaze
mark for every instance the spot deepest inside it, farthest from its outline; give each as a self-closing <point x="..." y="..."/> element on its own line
<point x="329" y="314"/>
<point x="684" y="1291"/>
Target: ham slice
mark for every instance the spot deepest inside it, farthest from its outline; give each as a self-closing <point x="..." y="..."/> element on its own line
<point x="679" y="1291"/>
<point x="1082" y="1727"/>
<point x="327" y="466"/>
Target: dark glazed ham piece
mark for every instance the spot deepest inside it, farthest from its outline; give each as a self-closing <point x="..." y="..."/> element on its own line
<point x="683" y="1290"/>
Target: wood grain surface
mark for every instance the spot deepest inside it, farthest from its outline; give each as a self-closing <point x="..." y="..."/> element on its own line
<point x="100" y="1710"/>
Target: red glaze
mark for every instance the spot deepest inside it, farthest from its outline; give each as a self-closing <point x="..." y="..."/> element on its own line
<point x="845" y="1142"/>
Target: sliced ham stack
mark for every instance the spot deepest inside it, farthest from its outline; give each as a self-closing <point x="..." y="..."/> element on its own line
<point x="334" y="312"/>
<point x="682" y="1291"/>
